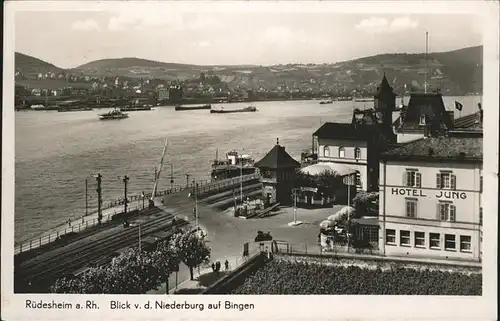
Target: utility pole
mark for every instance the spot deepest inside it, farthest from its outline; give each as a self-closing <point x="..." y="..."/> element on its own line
<point x="426" y="60"/>
<point x="99" y="197"/>
<point x="241" y="182"/>
<point x="86" y="199"/>
<point x="125" y="181"/>
<point x="196" y="202"/>
<point x="171" y="177"/>
<point x="143" y="196"/>
<point x="295" y="205"/>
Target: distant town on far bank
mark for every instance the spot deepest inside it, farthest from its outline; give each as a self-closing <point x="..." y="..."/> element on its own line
<point x="125" y="81"/>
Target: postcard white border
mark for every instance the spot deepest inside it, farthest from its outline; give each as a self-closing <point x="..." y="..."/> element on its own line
<point x="273" y="307"/>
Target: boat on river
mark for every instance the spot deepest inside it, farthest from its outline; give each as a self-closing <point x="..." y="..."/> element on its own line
<point x="364" y="100"/>
<point x="66" y="109"/>
<point x="326" y="102"/>
<point x="114" y="114"/>
<point x="234" y="165"/>
<point x="227" y="111"/>
<point x="136" y="108"/>
<point x="197" y="107"/>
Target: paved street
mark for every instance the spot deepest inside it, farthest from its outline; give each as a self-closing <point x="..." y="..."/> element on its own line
<point x="226" y="234"/>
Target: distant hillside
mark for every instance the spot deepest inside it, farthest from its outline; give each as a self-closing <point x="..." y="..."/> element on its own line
<point x="32" y="65"/>
<point x="462" y="67"/>
<point x="454" y="72"/>
<point x="122" y="63"/>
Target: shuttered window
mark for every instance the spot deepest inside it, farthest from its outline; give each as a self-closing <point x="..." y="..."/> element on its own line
<point x="446" y="180"/>
<point x="412" y="178"/>
<point x="446" y="212"/>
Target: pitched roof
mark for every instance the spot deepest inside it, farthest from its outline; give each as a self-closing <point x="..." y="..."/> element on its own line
<point x="277" y="158"/>
<point x="469" y="122"/>
<point x="364" y="117"/>
<point x="429" y="105"/>
<point x="448" y="149"/>
<point x="384" y="87"/>
<point x="346" y="131"/>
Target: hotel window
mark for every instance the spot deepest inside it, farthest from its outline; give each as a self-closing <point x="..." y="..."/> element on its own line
<point x="446" y="212"/>
<point x="422" y="120"/>
<point x="480" y="216"/>
<point x="404" y="238"/>
<point x="412" y="178"/>
<point x="326" y="151"/>
<point x="390" y="236"/>
<point x="341" y="152"/>
<point x="358" y="179"/>
<point x="419" y="239"/>
<point x="465" y="243"/>
<point x="446" y="180"/>
<point x="434" y="241"/>
<point x="449" y="242"/>
<point x="357" y="153"/>
<point x="411" y="208"/>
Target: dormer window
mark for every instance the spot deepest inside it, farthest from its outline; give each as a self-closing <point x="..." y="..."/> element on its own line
<point x="341" y="152"/>
<point x="423" y="121"/>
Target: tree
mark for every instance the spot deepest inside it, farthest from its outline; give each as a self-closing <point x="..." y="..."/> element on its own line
<point x="166" y="259"/>
<point x="192" y="250"/>
<point x="134" y="272"/>
<point x="366" y="203"/>
<point x="95" y="280"/>
<point x="328" y="182"/>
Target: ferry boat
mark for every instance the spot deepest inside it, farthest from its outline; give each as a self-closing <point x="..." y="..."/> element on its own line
<point x="227" y="111"/>
<point x="114" y="114"/>
<point x="197" y="107"/>
<point x="233" y="166"/>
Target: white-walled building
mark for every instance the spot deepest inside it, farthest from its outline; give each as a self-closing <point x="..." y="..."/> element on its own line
<point x="430" y="201"/>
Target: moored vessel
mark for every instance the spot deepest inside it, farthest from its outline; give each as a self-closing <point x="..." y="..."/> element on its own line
<point x="67" y="109"/>
<point x="197" y="107"/>
<point x="234" y="165"/>
<point x="136" y="108"/>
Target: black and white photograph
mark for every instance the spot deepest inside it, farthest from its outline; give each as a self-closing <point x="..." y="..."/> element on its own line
<point x="195" y="148"/>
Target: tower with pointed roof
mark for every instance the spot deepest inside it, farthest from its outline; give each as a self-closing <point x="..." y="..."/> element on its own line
<point x="277" y="170"/>
<point x="385" y="105"/>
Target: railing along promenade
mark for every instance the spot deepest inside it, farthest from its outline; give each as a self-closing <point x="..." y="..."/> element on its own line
<point x="135" y="202"/>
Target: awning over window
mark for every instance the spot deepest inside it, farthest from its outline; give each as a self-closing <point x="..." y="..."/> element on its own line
<point x="319" y="168"/>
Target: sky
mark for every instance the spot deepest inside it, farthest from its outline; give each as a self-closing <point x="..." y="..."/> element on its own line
<point x="71" y="38"/>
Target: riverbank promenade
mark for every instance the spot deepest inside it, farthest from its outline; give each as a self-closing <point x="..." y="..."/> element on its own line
<point x="171" y="198"/>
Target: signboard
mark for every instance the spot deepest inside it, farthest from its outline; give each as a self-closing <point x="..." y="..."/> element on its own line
<point x="440" y="194"/>
<point x="349" y="179"/>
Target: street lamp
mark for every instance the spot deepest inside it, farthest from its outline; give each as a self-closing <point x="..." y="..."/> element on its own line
<point x="295" y="222"/>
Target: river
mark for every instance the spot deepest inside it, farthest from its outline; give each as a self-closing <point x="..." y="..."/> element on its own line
<point x="56" y="152"/>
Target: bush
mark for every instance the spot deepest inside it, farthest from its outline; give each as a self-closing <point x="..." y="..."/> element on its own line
<point x="282" y="277"/>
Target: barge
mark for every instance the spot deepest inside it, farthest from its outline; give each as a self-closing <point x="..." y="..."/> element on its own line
<point x="227" y="111"/>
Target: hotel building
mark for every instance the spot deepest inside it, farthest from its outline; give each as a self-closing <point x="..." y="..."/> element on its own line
<point x="356" y="146"/>
<point x="431" y="197"/>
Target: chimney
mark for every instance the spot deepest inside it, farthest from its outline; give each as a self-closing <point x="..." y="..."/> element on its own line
<point x="451" y="114"/>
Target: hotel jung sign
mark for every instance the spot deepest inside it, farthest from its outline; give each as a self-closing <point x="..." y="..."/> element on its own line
<point x="420" y="193"/>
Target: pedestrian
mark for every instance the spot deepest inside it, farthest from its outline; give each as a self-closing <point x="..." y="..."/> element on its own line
<point x="226" y="265"/>
<point x="217" y="266"/>
<point x="213" y="266"/>
<point x="69" y="222"/>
